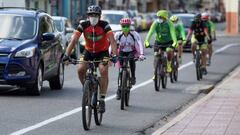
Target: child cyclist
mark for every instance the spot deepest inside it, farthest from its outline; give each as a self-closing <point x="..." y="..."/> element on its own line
<point x="129" y="44"/>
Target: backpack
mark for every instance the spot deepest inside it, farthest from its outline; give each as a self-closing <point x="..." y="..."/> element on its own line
<point x="120" y="36"/>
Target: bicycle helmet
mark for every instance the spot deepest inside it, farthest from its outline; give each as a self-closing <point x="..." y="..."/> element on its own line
<point x="125" y="21"/>
<point x="94" y="9"/>
<point x="205" y="16"/>
<point x="197" y="16"/>
<point x="174" y="18"/>
<point x="163" y="14"/>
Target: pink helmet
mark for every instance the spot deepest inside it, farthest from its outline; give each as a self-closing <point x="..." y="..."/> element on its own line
<point x="125" y="21"/>
<point x="205" y="15"/>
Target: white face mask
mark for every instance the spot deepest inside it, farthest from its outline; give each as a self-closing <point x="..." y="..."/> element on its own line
<point x="160" y="20"/>
<point x="174" y="24"/>
<point x="93" y="20"/>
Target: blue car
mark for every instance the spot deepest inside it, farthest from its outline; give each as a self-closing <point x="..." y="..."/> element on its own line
<point x="30" y="50"/>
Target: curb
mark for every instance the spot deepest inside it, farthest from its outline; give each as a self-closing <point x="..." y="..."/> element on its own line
<point x="211" y="91"/>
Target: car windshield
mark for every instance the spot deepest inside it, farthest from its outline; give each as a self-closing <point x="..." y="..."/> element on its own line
<point x="59" y="25"/>
<point x="17" y="27"/>
<point x="112" y="18"/>
<point x="186" y="20"/>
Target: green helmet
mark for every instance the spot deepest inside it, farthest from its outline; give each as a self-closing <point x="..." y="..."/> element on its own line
<point x="174" y="18"/>
<point x="163" y="14"/>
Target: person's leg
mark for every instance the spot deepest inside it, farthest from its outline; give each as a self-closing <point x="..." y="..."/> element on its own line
<point x="180" y="50"/>
<point x="210" y="50"/>
<point x="132" y="68"/>
<point x="204" y="57"/>
<point x="193" y="46"/>
<point x="169" y="59"/>
<point x="82" y="69"/>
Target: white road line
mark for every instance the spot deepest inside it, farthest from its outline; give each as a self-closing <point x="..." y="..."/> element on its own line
<point x="76" y="110"/>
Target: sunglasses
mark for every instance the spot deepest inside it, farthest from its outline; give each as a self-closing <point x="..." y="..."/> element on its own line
<point x="93" y="15"/>
<point x="125" y="26"/>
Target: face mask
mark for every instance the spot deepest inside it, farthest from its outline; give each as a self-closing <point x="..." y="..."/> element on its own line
<point x="93" y="20"/>
<point x="160" y="20"/>
<point x="174" y="24"/>
<point x="125" y="29"/>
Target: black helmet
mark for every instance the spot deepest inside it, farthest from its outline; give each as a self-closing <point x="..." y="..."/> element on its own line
<point x="198" y="16"/>
<point x="94" y="9"/>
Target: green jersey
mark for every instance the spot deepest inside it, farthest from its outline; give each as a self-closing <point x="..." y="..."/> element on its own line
<point x="164" y="32"/>
<point x="210" y="26"/>
<point x="180" y="32"/>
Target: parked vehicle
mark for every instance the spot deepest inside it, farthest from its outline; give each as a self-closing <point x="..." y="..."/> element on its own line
<point x="186" y="19"/>
<point x="30" y="50"/>
<point x="64" y="26"/>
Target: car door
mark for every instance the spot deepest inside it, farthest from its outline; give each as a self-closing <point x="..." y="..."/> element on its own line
<point x="47" y="46"/>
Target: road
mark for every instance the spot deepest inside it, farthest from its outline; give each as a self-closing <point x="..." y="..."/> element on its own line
<point x="59" y="112"/>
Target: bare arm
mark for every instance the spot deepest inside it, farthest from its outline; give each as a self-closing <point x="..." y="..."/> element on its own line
<point x="113" y="44"/>
<point x="73" y="42"/>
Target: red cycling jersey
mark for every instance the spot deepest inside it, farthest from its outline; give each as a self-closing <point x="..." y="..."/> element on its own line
<point x="96" y="37"/>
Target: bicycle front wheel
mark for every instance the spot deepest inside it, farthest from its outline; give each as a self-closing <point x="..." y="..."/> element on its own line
<point x="175" y="68"/>
<point x="127" y="92"/>
<point x="86" y="105"/>
<point x="123" y="89"/>
<point x="198" y="66"/>
<point x="157" y="78"/>
<point x="97" y="115"/>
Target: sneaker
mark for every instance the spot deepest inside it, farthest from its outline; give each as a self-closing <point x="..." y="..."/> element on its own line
<point x="169" y="67"/>
<point x="101" y="106"/>
<point x="209" y="62"/>
<point x="204" y="71"/>
<point x="118" y="94"/>
<point x="153" y="78"/>
<point x="133" y="80"/>
<point x="180" y="60"/>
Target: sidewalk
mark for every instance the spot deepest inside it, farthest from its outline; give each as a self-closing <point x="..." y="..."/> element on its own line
<point x="218" y="113"/>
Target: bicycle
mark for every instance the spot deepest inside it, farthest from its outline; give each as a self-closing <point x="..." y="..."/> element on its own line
<point x="91" y="89"/>
<point x="198" y="61"/>
<point x="160" y="70"/>
<point x="124" y="83"/>
<point x="175" y="65"/>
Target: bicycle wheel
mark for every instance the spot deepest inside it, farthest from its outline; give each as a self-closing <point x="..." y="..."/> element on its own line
<point x="175" y="68"/>
<point x="97" y="115"/>
<point x="86" y="105"/>
<point x="198" y="66"/>
<point x="157" y="79"/>
<point x="164" y="73"/>
<point x="127" y="92"/>
<point x="123" y="89"/>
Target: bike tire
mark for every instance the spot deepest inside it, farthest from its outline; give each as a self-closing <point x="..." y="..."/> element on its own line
<point x="164" y="73"/>
<point x="86" y="105"/>
<point x="157" y="79"/>
<point x="123" y="89"/>
<point x="198" y="66"/>
<point x="127" y="92"/>
<point x="175" y="69"/>
<point x="97" y="115"/>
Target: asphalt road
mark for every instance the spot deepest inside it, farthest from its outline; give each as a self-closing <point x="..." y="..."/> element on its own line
<point x="59" y="112"/>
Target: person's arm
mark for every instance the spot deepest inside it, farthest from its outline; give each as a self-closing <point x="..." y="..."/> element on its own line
<point x="139" y="43"/>
<point x="112" y="42"/>
<point x="182" y="31"/>
<point x="151" y="31"/>
<point x="76" y="35"/>
<point x="173" y="34"/>
<point x="190" y="30"/>
<point x="213" y="30"/>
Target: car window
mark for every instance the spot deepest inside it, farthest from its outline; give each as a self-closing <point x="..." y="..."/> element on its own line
<point x="112" y="18"/>
<point x="45" y="25"/>
<point x="186" y="21"/>
<point x="17" y="27"/>
<point x="59" y="25"/>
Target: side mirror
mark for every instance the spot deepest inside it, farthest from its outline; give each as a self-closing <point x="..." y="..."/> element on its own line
<point x="69" y="30"/>
<point x="48" y="36"/>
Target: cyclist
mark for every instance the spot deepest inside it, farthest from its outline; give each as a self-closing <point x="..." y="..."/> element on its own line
<point x="97" y="34"/>
<point x="200" y="34"/>
<point x="129" y="44"/>
<point x="164" y="36"/>
<point x="180" y="34"/>
<point x="212" y="34"/>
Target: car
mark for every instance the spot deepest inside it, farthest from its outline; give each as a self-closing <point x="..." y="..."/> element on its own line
<point x="186" y="19"/>
<point x="30" y="50"/>
<point x="113" y="17"/>
<point x="64" y="26"/>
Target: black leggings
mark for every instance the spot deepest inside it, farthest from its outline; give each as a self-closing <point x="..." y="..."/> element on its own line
<point x="131" y="61"/>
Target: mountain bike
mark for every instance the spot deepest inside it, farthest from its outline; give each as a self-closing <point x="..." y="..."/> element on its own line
<point x="124" y="82"/>
<point x="90" y="99"/>
<point x="175" y="65"/>
<point x="160" y="71"/>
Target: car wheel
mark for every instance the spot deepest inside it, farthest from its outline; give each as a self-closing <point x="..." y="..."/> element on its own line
<point x="56" y="83"/>
<point x="36" y="88"/>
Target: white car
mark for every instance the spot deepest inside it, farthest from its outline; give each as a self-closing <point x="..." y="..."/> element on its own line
<point x="63" y="26"/>
<point x="113" y="17"/>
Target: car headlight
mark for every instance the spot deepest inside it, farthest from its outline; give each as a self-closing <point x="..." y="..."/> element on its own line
<point x="27" y="52"/>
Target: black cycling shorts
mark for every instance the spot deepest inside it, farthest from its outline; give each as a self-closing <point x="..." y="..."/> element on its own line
<point x="162" y="46"/>
<point x="87" y="56"/>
